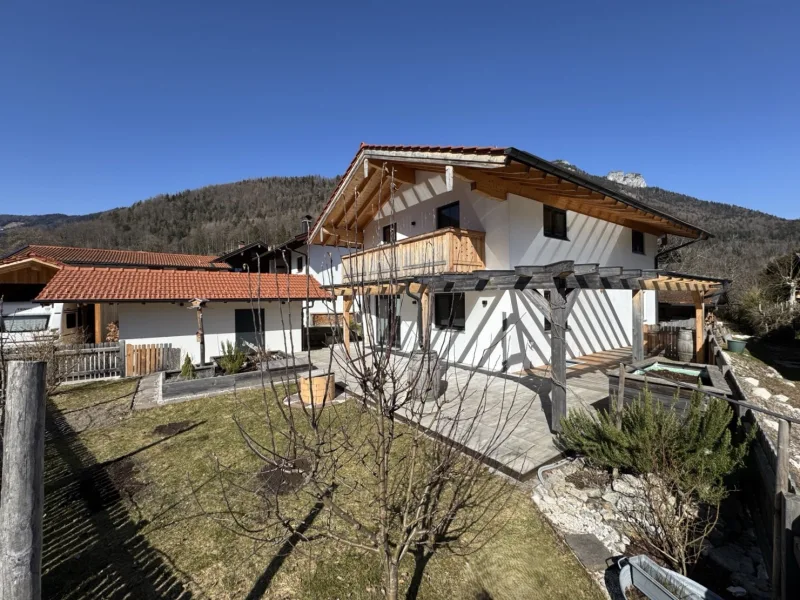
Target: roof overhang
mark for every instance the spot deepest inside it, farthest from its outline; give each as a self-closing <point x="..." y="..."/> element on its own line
<point x="377" y="172"/>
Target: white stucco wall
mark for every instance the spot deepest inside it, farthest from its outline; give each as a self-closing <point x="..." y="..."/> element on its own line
<point x="166" y="323"/>
<point x="325" y="265"/>
<point x="514" y="228"/>
<point x="601" y="320"/>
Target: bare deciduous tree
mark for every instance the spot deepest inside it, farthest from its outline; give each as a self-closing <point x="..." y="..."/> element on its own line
<point x="386" y="471"/>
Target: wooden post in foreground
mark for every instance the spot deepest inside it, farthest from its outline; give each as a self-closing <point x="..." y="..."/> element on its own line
<point x="781" y="487"/>
<point x="22" y="494"/>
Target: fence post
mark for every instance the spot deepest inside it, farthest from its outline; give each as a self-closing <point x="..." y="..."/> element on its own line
<point x="121" y="360"/>
<point x="790" y="580"/>
<point x="781" y="487"/>
<point x="22" y="493"/>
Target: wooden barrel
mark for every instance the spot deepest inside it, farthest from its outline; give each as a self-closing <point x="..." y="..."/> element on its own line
<point x="685" y="345"/>
<point x="318" y="388"/>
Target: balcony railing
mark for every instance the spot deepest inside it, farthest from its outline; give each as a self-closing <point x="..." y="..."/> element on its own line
<point x="448" y="250"/>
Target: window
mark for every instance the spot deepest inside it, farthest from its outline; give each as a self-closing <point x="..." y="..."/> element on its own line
<point x="299" y="264"/>
<point x="20" y="323"/>
<point x="390" y="233"/>
<point x="638" y="242"/>
<point x="555" y="223"/>
<point x="448" y="215"/>
<point x="449" y="311"/>
<point x="71" y="319"/>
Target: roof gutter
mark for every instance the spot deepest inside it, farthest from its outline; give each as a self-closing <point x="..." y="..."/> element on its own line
<point x="689" y="243"/>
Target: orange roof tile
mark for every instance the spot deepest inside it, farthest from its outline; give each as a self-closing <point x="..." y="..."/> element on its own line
<point x="73" y="284"/>
<point x="120" y="258"/>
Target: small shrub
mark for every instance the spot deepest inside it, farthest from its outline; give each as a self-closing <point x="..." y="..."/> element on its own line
<point x="187" y="369"/>
<point x="681" y="462"/>
<point x="232" y="359"/>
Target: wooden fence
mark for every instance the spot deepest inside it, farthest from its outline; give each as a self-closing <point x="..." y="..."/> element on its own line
<point x="90" y="361"/>
<point x="774" y="501"/>
<point x="663" y="338"/>
<point x="149" y="358"/>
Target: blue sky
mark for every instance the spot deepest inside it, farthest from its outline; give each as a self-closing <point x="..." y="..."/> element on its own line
<point x="106" y="103"/>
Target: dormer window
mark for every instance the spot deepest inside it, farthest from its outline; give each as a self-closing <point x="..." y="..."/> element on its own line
<point x="555" y="223"/>
<point x="637" y="238"/>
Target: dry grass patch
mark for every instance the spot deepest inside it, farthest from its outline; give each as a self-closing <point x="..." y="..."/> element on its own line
<point x="156" y="476"/>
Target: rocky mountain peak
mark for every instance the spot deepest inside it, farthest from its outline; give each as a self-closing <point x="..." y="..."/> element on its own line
<point x="629" y="179"/>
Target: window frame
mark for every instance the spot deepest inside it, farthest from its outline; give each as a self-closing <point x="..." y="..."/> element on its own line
<point x="391" y="228"/>
<point x="45" y="319"/>
<point x="640" y="235"/>
<point x="452" y="310"/>
<point x="439" y="215"/>
<point x="547" y="223"/>
<point x="299" y="263"/>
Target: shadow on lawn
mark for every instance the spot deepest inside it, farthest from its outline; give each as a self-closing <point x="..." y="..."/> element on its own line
<point x="92" y="546"/>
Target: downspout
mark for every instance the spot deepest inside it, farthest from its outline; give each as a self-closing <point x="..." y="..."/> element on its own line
<point x="689" y="243"/>
<point x="418" y="299"/>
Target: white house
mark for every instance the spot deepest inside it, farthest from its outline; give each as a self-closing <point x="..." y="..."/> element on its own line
<point x="25" y="272"/>
<point x="153" y="306"/>
<point x="483" y="240"/>
<point x="296" y="256"/>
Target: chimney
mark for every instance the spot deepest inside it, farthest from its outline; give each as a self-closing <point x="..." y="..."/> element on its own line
<point x="307" y="220"/>
<point x="241" y="243"/>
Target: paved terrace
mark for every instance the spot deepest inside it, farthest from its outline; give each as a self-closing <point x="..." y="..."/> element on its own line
<point x="505" y="417"/>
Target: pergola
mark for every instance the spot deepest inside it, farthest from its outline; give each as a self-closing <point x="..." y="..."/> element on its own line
<point x="564" y="279"/>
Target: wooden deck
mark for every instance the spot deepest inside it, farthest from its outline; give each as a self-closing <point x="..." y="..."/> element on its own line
<point x="599" y="361"/>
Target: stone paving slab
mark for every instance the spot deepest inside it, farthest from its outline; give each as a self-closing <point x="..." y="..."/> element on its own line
<point x="589" y="550"/>
<point x="493" y="396"/>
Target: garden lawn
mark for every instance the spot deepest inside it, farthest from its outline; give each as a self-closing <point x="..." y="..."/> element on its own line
<point x="135" y="509"/>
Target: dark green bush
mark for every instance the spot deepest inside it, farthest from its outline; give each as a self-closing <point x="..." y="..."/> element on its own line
<point x="232" y="359"/>
<point x="654" y="438"/>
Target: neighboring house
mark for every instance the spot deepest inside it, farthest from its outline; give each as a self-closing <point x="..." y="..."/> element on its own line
<point x="25" y="272"/>
<point x="493" y="236"/>
<point x="153" y="305"/>
<point x="323" y="263"/>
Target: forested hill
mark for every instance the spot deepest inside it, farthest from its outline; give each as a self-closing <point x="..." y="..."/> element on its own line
<point x="207" y="220"/>
<point x="210" y="220"/>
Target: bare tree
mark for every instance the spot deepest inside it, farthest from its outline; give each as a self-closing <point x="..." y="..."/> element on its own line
<point x="399" y="468"/>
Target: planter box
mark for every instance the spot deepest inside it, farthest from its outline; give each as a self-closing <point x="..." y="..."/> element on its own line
<point x="282" y="370"/>
<point x="318" y="389"/>
<point x="664" y="390"/>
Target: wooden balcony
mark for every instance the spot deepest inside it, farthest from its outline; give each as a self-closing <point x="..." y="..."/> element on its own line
<point x="448" y="250"/>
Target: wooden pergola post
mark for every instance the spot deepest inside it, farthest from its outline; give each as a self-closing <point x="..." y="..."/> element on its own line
<point x="425" y="302"/>
<point x="637" y="313"/>
<point x="98" y="324"/>
<point x="558" y="356"/>
<point x="699" y="325"/>
<point x="347" y="305"/>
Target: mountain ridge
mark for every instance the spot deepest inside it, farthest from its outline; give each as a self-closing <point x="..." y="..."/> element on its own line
<point x="212" y="219"/>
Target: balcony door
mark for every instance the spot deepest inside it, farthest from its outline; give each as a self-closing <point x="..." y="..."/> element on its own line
<point x="387" y="321"/>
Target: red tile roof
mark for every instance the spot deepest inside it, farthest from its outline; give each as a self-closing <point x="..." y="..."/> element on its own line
<point x="72" y="284"/>
<point x="120" y="258"/>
